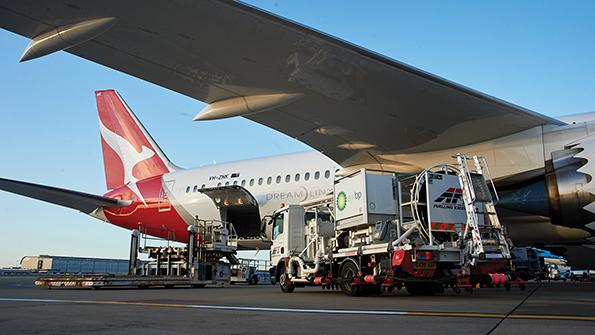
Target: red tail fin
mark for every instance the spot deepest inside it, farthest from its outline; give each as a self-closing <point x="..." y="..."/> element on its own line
<point x="129" y="152"/>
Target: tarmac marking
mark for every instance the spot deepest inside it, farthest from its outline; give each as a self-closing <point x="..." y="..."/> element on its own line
<point x="308" y="310"/>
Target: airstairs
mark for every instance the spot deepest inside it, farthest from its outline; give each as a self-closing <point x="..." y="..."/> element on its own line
<point x="484" y="235"/>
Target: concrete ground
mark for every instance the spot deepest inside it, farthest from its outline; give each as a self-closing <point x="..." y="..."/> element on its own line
<point x="554" y="308"/>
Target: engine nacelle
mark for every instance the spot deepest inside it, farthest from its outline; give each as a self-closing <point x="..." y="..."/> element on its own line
<point x="566" y="189"/>
<point x="560" y="194"/>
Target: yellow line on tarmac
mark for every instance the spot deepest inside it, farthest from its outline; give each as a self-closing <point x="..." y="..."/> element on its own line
<point x="458" y="314"/>
<point x="310" y="310"/>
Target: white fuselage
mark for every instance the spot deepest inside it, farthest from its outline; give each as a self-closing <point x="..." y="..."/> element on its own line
<point x="273" y="181"/>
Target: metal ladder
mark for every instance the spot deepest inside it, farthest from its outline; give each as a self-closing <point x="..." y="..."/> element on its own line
<point x="485" y="242"/>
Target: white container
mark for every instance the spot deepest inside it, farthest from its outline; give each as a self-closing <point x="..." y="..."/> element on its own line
<point x="364" y="198"/>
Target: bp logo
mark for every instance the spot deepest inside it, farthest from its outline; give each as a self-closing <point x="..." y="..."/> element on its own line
<point x="341" y="200"/>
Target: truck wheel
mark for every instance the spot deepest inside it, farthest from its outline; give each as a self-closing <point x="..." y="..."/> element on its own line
<point x="424" y="288"/>
<point x="284" y="282"/>
<point x="253" y="280"/>
<point x="348" y="272"/>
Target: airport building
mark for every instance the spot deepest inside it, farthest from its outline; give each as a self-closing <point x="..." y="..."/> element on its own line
<point x="65" y="264"/>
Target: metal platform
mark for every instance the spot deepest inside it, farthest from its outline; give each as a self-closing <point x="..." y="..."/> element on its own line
<point x="124" y="281"/>
<point x="196" y="265"/>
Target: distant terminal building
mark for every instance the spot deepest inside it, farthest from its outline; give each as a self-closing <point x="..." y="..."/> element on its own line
<point x="65" y="264"/>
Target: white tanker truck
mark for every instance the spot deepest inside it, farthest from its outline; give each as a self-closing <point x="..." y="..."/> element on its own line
<point x="381" y="230"/>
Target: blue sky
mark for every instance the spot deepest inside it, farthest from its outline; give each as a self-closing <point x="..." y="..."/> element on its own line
<point x="537" y="54"/>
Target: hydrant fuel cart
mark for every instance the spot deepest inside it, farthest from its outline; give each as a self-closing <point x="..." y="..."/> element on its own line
<point x="381" y="230"/>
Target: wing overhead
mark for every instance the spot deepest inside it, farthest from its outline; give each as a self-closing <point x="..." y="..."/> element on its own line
<point x="354" y="105"/>
<point x="83" y="202"/>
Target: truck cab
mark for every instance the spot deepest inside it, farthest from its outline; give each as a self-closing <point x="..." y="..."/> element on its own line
<point x="288" y="234"/>
<point x="293" y="228"/>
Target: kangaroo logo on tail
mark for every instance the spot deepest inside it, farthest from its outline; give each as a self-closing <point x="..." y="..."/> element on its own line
<point x="128" y="155"/>
<point x="129" y="152"/>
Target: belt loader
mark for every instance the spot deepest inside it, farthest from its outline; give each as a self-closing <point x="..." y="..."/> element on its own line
<point x="382" y="230"/>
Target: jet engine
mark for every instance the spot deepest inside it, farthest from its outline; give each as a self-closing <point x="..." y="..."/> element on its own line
<point x="568" y="188"/>
<point x="562" y="193"/>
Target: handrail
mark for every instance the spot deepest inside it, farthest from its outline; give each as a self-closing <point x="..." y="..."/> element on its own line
<point x="209" y="229"/>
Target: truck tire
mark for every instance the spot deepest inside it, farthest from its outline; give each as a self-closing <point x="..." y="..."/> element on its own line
<point x="253" y="280"/>
<point x="284" y="282"/>
<point x="349" y="271"/>
<point x="424" y="288"/>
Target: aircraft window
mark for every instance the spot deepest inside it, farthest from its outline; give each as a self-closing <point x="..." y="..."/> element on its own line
<point x="287" y="178"/>
<point x="297" y="177"/>
<point x="269" y="180"/>
<point x="203" y="186"/>
<point x="306" y="176"/>
<point x="278" y="179"/>
<point x="187" y="189"/>
<point x="327" y="174"/>
<point x="251" y="182"/>
<point x="218" y="184"/>
<point x="259" y="181"/>
<point x="317" y="175"/>
<point x="226" y="183"/>
<point x="277" y="226"/>
<point x="235" y="182"/>
<point x="243" y="182"/>
<point x="195" y="188"/>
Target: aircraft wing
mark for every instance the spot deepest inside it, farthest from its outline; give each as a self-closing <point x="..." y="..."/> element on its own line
<point x="83" y="202"/>
<point x="354" y="105"/>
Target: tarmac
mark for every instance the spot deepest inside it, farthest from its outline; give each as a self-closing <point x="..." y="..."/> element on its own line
<point x="547" y="308"/>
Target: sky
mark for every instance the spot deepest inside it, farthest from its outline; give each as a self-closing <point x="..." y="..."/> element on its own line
<point x="536" y="54"/>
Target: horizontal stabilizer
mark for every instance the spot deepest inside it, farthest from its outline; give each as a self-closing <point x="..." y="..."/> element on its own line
<point x="83" y="202"/>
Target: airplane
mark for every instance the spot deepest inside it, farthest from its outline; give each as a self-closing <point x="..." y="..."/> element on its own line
<point x="356" y="107"/>
<point x="151" y="194"/>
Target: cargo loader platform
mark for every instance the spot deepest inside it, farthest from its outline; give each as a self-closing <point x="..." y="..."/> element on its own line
<point x="197" y="264"/>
